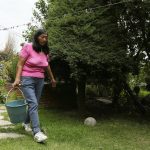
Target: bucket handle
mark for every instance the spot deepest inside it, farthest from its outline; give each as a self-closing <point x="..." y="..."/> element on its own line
<point x="13" y="89"/>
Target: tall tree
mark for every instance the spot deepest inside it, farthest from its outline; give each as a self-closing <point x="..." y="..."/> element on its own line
<point x="86" y="34"/>
<point x="103" y="40"/>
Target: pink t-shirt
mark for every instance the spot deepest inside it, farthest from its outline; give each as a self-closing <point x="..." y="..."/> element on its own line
<point x="35" y="62"/>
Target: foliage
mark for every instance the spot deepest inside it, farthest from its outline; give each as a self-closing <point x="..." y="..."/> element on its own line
<point x="136" y="80"/>
<point x="4" y="72"/>
<point x="6" y="57"/>
<point x="91" y="91"/>
<point x="74" y="36"/>
<point x="40" y="14"/>
<point x="29" y="33"/>
<point x="147" y="75"/>
<point x="3" y="56"/>
<point x="1" y="82"/>
<point x="137" y="26"/>
<point x="2" y="91"/>
<point x="98" y="90"/>
<point x="8" y="70"/>
<point x="98" y="40"/>
<point x="13" y="66"/>
<point x="2" y="98"/>
<point x="143" y="93"/>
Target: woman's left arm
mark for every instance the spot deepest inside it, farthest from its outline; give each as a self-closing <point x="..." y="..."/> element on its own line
<point x="53" y="81"/>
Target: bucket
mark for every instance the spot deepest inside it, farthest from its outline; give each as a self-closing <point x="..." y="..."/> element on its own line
<point x="16" y="109"/>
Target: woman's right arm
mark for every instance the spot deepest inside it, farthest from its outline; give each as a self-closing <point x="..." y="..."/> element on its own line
<point x="20" y="65"/>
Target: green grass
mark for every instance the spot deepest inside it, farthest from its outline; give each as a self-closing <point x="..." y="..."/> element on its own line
<point x="67" y="132"/>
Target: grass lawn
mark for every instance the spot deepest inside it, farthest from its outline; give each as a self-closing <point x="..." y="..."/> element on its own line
<point x="67" y="132"/>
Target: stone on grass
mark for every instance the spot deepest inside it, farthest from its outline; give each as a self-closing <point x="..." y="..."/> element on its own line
<point x="2" y="111"/>
<point x="1" y="117"/>
<point x="5" y="123"/>
<point x="10" y="135"/>
<point x="90" y="121"/>
<point x="7" y="127"/>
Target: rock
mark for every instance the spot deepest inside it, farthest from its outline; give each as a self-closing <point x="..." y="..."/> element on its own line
<point x="1" y="117"/>
<point x="90" y="121"/>
<point x="5" y="123"/>
<point x="10" y="135"/>
<point x="106" y="101"/>
<point x="7" y="127"/>
<point x="2" y="111"/>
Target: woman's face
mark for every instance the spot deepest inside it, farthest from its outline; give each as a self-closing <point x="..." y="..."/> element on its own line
<point x="43" y="38"/>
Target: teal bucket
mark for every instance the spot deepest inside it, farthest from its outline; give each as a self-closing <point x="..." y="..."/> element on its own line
<point x="17" y="110"/>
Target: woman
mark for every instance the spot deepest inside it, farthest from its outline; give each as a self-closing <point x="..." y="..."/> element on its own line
<point x="33" y="61"/>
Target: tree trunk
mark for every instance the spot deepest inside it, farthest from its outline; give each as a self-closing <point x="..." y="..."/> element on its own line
<point x="134" y="98"/>
<point x="116" y="94"/>
<point x="81" y="85"/>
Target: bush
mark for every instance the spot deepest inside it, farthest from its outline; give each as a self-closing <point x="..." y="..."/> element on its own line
<point x="91" y="91"/>
<point x="2" y="98"/>
<point x="147" y="80"/>
<point x="8" y="71"/>
<point x="2" y="82"/>
<point x="13" y="67"/>
<point x="144" y="92"/>
<point x="4" y="72"/>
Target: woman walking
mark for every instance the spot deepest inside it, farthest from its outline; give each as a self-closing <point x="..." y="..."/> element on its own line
<point x="32" y="63"/>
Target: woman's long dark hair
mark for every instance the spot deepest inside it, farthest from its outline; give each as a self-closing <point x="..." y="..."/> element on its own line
<point x="36" y="45"/>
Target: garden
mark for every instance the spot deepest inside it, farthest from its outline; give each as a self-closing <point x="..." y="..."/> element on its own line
<point x="100" y="57"/>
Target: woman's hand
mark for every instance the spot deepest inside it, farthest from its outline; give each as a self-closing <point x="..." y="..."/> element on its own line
<point x="53" y="82"/>
<point x="16" y="83"/>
